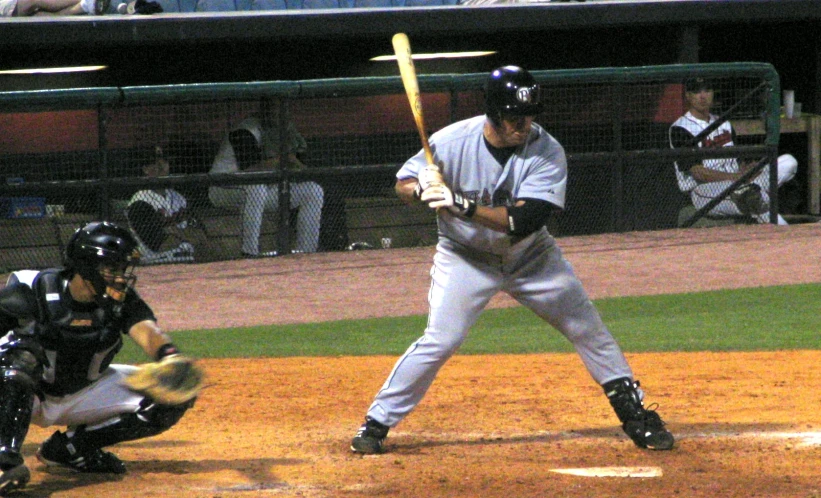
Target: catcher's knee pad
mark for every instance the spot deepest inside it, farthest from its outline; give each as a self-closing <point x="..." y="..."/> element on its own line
<point x="625" y="398"/>
<point x="21" y="362"/>
<point x="163" y="417"/>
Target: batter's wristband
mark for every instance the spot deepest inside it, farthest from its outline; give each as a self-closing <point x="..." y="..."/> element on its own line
<point x="167" y="350"/>
<point x="417" y="192"/>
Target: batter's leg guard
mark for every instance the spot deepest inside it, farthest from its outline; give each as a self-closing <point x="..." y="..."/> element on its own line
<point x="644" y="426"/>
<point x="370" y="438"/>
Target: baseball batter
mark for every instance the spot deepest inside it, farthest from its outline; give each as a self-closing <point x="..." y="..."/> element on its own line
<point x="64" y="327"/>
<point x="503" y="176"/>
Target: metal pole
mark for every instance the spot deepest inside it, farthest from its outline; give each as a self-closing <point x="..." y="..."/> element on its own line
<point x="284" y="229"/>
<point x="102" y="155"/>
<point x="617" y="174"/>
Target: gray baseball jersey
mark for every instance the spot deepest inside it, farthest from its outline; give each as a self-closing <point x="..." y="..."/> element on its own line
<point x="473" y="263"/>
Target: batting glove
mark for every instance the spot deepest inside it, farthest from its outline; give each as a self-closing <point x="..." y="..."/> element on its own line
<point x="440" y="196"/>
<point x="429" y="175"/>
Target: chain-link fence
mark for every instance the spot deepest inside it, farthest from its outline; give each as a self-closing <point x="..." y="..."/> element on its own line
<point x="173" y="162"/>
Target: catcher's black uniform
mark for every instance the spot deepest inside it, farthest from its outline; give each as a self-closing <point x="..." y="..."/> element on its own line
<point x="58" y="357"/>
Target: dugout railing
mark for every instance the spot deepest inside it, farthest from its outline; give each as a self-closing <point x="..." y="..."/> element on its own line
<point x="73" y="155"/>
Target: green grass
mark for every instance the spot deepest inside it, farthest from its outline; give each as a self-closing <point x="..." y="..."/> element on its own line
<point x="765" y="318"/>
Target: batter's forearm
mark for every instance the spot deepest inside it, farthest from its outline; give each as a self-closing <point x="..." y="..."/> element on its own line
<point x="494" y="218"/>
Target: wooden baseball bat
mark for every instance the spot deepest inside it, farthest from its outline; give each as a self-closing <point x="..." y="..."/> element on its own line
<point x="402" y="49"/>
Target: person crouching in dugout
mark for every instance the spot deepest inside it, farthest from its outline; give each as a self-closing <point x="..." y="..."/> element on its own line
<point x="65" y="326"/>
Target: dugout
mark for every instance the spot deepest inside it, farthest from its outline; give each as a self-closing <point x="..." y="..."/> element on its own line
<point x="83" y="149"/>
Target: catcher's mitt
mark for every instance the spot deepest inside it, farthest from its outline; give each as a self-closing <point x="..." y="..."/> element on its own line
<point x="173" y="380"/>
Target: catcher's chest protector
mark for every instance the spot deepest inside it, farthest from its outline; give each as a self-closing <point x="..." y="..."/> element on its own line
<point x="79" y="343"/>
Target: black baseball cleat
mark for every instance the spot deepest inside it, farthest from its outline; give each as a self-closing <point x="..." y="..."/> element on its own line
<point x="748" y="200"/>
<point x="13" y="478"/>
<point x="649" y="432"/>
<point x="370" y="438"/>
<point x="643" y="425"/>
<point x="55" y="451"/>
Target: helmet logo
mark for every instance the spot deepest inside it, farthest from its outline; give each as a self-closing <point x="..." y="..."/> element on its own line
<point x="524" y="96"/>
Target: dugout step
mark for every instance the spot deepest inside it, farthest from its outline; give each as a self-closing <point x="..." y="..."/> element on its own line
<point x="687" y="212"/>
<point x="371" y="219"/>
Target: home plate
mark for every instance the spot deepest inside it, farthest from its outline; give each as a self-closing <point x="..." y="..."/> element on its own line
<point x="612" y="471"/>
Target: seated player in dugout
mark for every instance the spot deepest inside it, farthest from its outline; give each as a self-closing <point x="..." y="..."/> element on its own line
<point x="166" y="229"/>
<point x="159" y="216"/>
<point x="704" y="180"/>
<point x="254" y="145"/>
<point x="63" y="327"/>
<point x="502" y="175"/>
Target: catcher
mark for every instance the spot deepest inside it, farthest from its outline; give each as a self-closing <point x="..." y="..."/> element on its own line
<point x="64" y="327"/>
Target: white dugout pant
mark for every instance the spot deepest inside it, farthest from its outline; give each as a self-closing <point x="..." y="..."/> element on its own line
<point x="106" y="399"/>
<point x="704" y="193"/>
<point x="461" y="286"/>
<point x="254" y="200"/>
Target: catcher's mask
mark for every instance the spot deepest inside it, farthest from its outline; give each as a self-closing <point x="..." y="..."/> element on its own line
<point x="511" y="91"/>
<point x="105" y="255"/>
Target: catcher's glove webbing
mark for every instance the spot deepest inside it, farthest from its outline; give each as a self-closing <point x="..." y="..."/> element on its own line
<point x="173" y="380"/>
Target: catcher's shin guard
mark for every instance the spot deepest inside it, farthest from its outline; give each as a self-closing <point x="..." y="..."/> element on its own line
<point x="80" y="448"/>
<point x="18" y="370"/>
<point x="151" y="419"/>
<point x="644" y="426"/>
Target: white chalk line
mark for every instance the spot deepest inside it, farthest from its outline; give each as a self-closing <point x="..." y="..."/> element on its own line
<point x="809" y="438"/>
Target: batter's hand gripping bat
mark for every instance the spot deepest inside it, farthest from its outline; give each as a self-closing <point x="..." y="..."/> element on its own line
<point x="402" y="49"/>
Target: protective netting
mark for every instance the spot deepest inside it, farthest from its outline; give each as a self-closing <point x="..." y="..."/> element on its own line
<point x="140" y="161"/>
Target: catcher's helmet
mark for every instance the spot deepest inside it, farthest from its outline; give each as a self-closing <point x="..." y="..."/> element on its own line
<point x="512" y="91"/>
<point x="105" y="254"/>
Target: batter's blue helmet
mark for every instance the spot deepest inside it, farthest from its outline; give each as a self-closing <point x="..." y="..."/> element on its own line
<point x="512" y="91"/>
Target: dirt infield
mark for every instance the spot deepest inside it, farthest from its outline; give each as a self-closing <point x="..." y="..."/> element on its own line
<point x="748" y="424"/>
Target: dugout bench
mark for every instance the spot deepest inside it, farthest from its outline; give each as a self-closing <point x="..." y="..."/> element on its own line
<point x="388" y="222"/>
<point x="370" y="222"/>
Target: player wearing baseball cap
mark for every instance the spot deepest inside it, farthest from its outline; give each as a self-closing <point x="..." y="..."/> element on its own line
<point x="705" y="179"/>
<point x="503" y="177"/>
